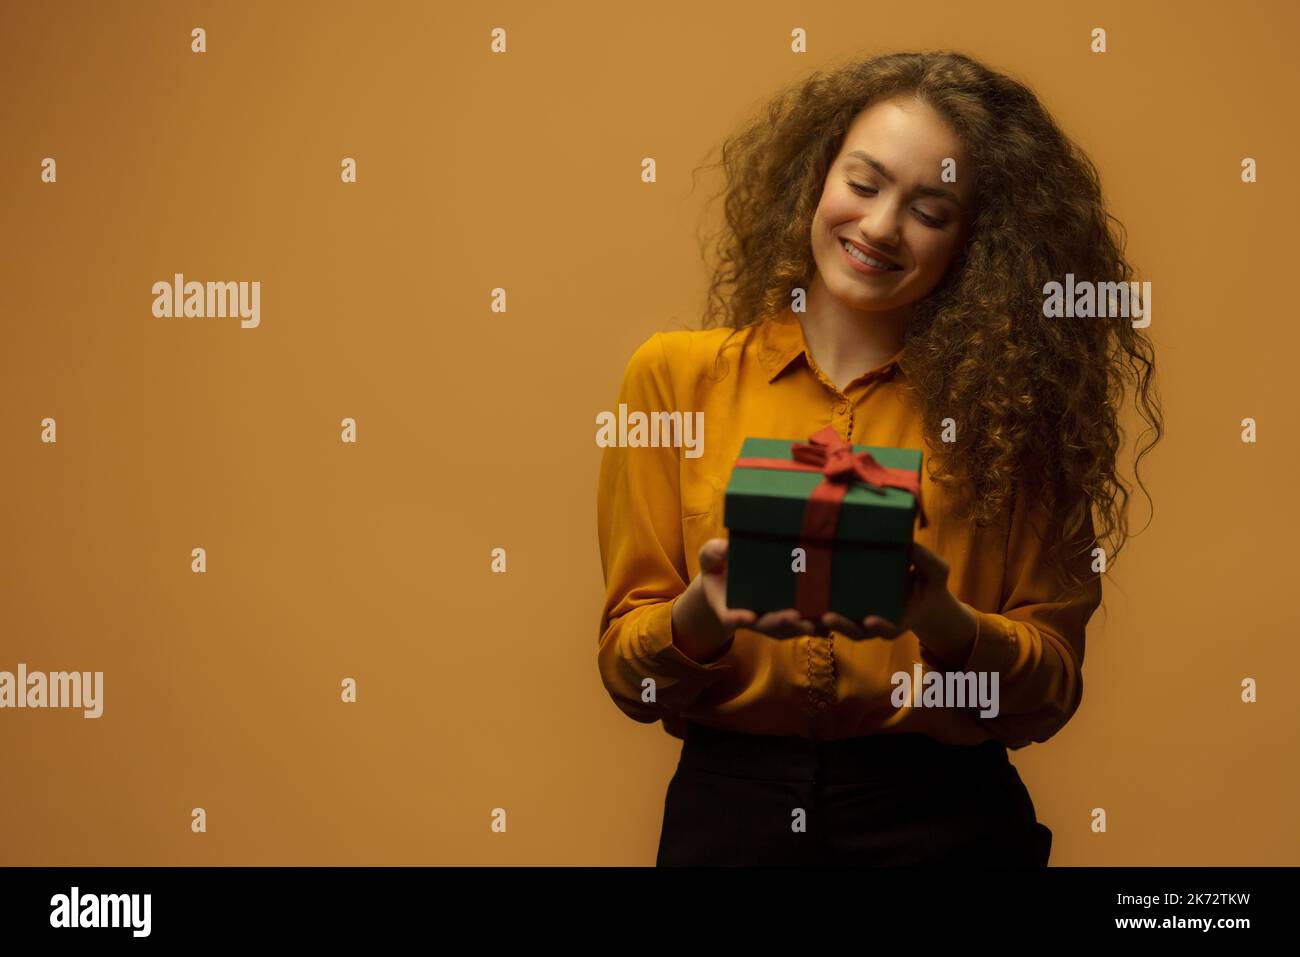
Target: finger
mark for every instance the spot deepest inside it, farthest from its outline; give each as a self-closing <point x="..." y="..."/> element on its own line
<point x="843" y="625"/>
<point x="804" y="626"/>
<point x="713" y="557"/>
<point x="800" y="624"/>
<point x="878" y="627"/>
<point x="791" y="624"/>
<point x="787" y="623"/>
<point x="738" y="618"/>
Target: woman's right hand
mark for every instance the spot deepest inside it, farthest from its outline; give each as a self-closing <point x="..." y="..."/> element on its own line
<point x="787" y="623"/>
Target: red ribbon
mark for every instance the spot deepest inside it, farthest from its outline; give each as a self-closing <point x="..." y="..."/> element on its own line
<point x="841" y="469"/>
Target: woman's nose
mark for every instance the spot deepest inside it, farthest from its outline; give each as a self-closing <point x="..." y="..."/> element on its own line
<point x="880" y="227"/>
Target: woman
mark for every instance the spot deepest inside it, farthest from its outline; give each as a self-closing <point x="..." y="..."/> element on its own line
<point x="890" y="227"/>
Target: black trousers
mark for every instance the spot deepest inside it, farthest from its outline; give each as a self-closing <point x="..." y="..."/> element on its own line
<point x="881" y="800"/>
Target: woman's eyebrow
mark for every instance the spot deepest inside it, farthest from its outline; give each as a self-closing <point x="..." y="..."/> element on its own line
<point x="879" y="168"/>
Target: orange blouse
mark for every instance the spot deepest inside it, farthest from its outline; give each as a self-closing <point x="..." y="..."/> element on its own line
<point x="657" y="504"/>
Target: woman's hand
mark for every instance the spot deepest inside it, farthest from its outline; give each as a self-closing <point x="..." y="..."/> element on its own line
<point x="787" y="623"/>
<point x="926" y="599"/>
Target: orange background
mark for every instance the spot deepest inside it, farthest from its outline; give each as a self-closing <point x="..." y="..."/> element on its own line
<point x="476" y="429"/>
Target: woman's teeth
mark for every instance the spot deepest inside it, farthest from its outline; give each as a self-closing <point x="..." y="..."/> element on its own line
<point x="859" y="255"/>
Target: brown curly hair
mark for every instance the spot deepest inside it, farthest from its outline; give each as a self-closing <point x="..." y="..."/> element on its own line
<point x="1036" y="399"/>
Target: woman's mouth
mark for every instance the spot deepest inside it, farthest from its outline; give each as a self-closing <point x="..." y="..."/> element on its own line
<point x="865" y="263"/>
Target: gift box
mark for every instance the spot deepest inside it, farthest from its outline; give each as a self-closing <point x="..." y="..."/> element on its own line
<point x="851" y="508"/>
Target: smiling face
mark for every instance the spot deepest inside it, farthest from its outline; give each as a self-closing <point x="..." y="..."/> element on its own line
<point x="883" y="196"/>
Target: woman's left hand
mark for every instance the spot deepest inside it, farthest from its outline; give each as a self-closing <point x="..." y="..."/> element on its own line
<point x="925" y="598"/>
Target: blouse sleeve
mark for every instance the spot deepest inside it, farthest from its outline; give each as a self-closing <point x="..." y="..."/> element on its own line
<point x="1035" y="642"/>
<point x="639" y="524"/>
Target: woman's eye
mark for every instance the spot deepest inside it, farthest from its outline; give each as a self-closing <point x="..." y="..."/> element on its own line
<point x="862" y="190"/>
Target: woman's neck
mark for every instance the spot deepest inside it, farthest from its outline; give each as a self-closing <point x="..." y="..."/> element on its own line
<point x="846" y="342"/>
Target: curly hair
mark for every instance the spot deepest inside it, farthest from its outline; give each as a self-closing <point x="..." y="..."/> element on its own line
<point x="1035" y="398"/>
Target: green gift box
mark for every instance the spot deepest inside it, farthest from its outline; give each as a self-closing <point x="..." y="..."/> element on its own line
<point x="850" y="508"/>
